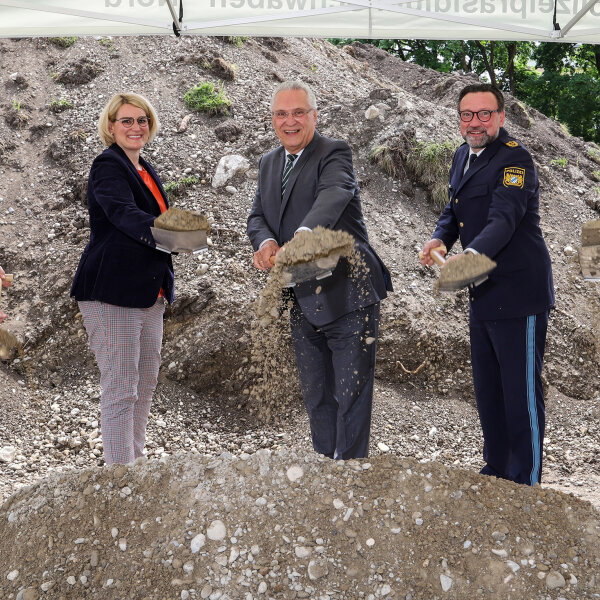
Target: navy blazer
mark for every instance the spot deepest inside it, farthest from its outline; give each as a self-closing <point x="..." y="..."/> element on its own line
<point x="121" y="265"/>
<point x="494" y="209"/>
<point x="321" y="190"/>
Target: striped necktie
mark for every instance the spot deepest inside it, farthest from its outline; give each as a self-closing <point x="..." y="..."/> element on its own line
<point x="286" y="172"/>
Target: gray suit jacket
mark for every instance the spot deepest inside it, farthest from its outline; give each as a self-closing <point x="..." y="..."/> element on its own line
<point x="322" y="190"/>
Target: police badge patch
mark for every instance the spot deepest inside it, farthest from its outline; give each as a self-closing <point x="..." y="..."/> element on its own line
<point x="512" y="144"/>
<point x="514" y="177"/>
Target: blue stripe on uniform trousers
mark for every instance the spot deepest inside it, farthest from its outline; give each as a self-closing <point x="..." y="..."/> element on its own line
<point x="509" y="394"/>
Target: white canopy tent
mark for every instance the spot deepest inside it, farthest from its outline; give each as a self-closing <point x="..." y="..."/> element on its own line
<point x="542" y="20"/>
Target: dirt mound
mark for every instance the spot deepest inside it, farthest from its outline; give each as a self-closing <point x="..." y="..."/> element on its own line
<point x="293" y="525"/>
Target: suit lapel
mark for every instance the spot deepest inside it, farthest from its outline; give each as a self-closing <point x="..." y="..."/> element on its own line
<point x="458" y="173"/>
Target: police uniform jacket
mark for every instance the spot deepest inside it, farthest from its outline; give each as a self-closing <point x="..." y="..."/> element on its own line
<point x="321" y="190"/>
<point x="494" y="209"/>
<point x="121" y="265"/>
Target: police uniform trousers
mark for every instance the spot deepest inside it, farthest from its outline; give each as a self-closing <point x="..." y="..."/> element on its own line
<point x="507" y="356"/>
<point x="336" y="366"/>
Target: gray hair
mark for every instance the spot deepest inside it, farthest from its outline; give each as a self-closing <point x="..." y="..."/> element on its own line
<point x="295" y="85"/>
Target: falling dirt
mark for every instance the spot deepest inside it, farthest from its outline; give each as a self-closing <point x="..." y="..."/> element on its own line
<point x="274" y="388"/>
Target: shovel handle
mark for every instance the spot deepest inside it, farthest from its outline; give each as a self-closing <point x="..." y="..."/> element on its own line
<point x="437" y="258"/>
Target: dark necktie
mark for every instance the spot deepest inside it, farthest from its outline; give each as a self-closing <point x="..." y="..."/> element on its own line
<point x="472" y="158"/>
<point x="287" y="170"/>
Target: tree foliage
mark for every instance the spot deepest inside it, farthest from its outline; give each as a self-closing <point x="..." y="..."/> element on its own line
<point x="559" y="80"/>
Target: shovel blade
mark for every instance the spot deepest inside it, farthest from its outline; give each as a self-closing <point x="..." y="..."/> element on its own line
<point x="313" y="270"/>
<point x="589" y="259"/>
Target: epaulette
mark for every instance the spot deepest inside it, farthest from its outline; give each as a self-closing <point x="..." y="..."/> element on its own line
<point x="512" y="144"/>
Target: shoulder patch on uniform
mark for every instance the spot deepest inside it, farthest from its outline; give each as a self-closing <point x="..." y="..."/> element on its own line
<point x="512" y="144"/>
<point x="514" y="177"/>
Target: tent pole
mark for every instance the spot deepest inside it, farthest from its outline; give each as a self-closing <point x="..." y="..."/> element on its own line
<point x="562" y="32"/>
<point x="176" y="21"/>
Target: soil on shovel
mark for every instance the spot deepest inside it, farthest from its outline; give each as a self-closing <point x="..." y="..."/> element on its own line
<point x="177" y="219"/>
<point x="467" y="269"/>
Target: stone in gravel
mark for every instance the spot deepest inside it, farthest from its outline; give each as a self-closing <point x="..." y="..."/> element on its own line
<point x="228" y="167"/>
<point x="302" y="551"/>
<point x="197" y="542"/>
<point x="216" y="531"/>
<point x="294" y="473"/>
<point x="30" y="594"/>
<point x="555" y="580"/>
<point x="317" y="569"/>
<point x="7" y="454"/>
<point x="446" y="582"/>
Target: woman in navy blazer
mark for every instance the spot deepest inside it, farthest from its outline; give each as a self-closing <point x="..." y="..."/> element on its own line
<point x="123" y="280"/>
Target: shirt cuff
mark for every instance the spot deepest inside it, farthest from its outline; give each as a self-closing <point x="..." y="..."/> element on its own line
<point x="265" y="241"/>
<point x="470" y="251"/>
<point x="302" y="229"/>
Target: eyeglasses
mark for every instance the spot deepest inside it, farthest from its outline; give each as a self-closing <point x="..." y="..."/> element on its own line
<point x="483" y="115"/>
<point x="128" y="121"/>
<point x="297" y="114"/>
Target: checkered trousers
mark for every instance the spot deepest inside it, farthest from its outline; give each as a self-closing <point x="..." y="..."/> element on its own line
<point x="127" y="344"/>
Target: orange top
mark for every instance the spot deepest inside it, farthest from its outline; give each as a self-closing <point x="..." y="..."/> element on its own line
<point x="157" y="196"/>
<point x="153" y="188"/>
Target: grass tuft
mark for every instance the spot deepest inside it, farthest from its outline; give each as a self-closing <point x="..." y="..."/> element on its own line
<point x="208" y="98"/>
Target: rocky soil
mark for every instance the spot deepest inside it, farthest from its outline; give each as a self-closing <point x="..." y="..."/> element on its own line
<point x="211" y="459"/>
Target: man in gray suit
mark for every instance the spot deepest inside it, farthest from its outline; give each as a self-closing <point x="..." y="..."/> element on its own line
<point x="310" y="181"/>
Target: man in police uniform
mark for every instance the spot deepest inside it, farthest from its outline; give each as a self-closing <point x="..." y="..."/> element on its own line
<point x="493" y="209"/>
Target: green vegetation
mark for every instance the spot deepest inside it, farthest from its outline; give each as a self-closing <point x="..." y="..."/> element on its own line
<point x="108" y="43"/>
<point x="430" y="163"/>
<point x="178" y="188"/>
<point x="16" y="105"/>
<point x="383" y="157"/>
<point x="208" y="98"/>
<point x="62" y="42"/>
<point x="236" y="40"/>
<point x="59" y="105"/>
<point x="559" y="162"/>
<point x="596" y="175"/>
<point x="562" y="81"/>
<point x="594" y="154"/>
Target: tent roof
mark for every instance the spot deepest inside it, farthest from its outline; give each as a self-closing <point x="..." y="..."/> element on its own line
<point x="427" y="19"/>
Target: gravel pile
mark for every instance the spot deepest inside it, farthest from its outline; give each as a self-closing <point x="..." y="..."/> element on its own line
<point x="294" y="525"/>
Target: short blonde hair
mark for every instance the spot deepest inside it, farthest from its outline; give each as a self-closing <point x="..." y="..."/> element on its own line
<point x="109" y="114"/>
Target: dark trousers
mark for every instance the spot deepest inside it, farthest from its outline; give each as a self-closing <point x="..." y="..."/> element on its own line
<point x="507" y="357"/>
<point x="336" y="365"/>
